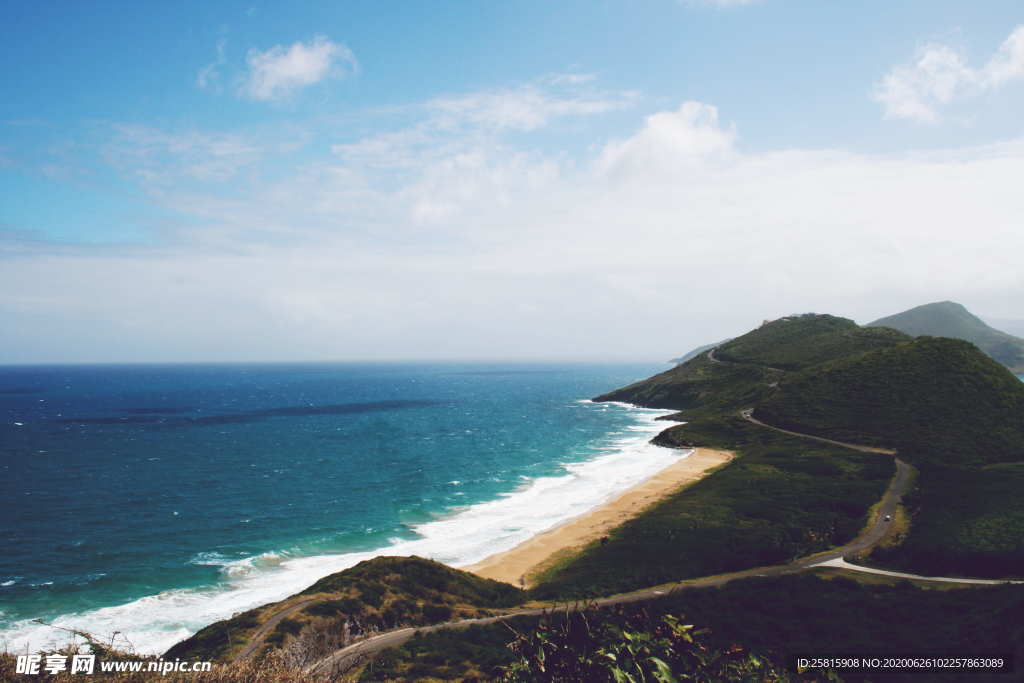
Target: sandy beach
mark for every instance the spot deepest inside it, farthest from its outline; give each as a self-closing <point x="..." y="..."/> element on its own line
<point x="516" y="566"/>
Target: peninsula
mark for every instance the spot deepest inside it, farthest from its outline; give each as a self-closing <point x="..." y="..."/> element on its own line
<point x="854" y="448"/>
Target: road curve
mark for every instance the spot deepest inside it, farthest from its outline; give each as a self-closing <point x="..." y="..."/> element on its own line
<point x="748" y="415"/>
<point x="259" y="634"/>
<point x="840" y="563"/>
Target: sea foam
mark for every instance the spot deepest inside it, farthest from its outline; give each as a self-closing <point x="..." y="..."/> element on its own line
<point x="464" y="536"/>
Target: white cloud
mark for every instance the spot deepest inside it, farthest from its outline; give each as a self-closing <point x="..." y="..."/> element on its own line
<point x="524" y="108"/>
<point x="208" y="77"/>
<point x="1008" y="62"/>
<point x="642" y="247"/>
<point x="279" y="72"/>
<point x="159" y="157"/>
<point x="940" y="74"/>
<point x="456" y="124"/>
<point x="689" y="137"/>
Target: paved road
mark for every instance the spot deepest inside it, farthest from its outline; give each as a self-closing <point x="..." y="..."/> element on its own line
<point x="748" y="415"/>
<point x="843" y="564"/>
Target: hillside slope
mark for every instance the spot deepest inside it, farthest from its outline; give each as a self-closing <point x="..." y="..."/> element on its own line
<point x="377" y="594"/>
<point x="949" y="319"/>
<point x="744" y="370"/>
<point x="695" y="352"/>
<point x="936" y="399"/>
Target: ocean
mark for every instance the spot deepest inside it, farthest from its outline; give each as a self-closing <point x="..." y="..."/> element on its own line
<point x="152" y="500"/>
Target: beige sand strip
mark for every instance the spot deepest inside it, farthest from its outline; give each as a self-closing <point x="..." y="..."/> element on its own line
<point x="515" y="566"/>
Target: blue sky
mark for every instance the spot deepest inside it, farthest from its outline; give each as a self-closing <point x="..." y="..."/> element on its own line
<point x="350" y="180"/>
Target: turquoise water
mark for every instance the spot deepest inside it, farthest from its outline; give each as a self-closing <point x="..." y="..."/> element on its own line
<point x="155" y="499"/>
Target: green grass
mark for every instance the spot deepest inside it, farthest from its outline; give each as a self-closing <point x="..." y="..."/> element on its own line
<point x="777" y="616"/>
<point x="381" y="593"/>
<point x="938" y="401"/>
<point x="214" y="641"/>
<point x="417" y="577"/>
<point x="795" y="343"/>
<point x="783" y="498"/>
<point x="449" y="654"/>
<point x="699" y="386"/>
<point x="965" y="522"/>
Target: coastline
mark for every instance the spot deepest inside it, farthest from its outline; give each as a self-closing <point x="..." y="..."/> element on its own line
<point x="620" y="455"/>
<point x="520" y="564"/>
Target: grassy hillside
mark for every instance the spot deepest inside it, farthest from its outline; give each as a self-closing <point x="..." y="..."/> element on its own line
<point x="377" y="594"/>
<point x="699" y="384"/>
<point x="783" y="498"/>
<point x="797" y="342"/>
<point x="772" y="616"/>
<point x="695" y="352"/>
<point x="936" y="400"/>
<point x="964" y="522"/>
<point x="749" y="366"/>
<point x="949" y="319"/>
<point x="947" y="407"/>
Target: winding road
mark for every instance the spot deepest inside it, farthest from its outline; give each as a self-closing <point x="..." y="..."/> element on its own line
<point x="267" y="626"/>
<point x="348" y="657"/>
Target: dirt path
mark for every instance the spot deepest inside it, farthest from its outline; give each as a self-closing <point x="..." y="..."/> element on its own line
<point x="266" y="627"/>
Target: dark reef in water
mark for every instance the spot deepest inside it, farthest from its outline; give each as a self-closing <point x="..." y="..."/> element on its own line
<point x="153" y="415"/>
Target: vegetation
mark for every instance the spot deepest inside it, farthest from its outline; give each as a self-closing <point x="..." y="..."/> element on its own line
<point x="419" y="578"/>
<point x="783" y="498"/>
<point x="773" y="617"/>
<point x="221" y="637"/>
<point x="475" y="652"/>
<point x="693" y="353"/>
<point x="699" y="386"/>
<point x="629" y="644"/>
<point x="948" y="319"/>
<point x="798" y="342"/>
<point x="620" y="644"/>
<point x="374" y="595"/>
<point x="947" y="407"/>
<point x="965" y="522"/>
<point x="935" y="400"/>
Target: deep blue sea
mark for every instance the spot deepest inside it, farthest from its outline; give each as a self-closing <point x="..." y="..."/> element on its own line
<point x="153" y="500"/>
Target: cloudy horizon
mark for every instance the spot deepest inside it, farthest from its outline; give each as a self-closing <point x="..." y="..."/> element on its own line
<point x="240" y="183"/>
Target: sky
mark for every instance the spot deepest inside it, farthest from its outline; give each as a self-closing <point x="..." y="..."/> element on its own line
<point x="524" y="180"/>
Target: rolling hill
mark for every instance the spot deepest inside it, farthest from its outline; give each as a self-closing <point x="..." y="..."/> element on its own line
<point x="949" y="319"/>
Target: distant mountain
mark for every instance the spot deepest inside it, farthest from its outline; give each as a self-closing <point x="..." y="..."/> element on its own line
<point x="1014" y="326"/>
<point x="949" y="319"/>
<point x="696" y="352"/>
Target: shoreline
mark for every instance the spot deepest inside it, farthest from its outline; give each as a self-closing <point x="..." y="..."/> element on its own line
<point x="520" y="564"/>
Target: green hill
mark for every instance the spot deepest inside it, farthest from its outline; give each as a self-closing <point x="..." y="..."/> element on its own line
<point x="954" y="412"/>
<point x="937" y="399"/>
<point x="699" y="383"/>
<point x="743" y="371"/>
<point x="949" y="319"/>
<point x="797" y="342"/>
<point x="377" y="594"/>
